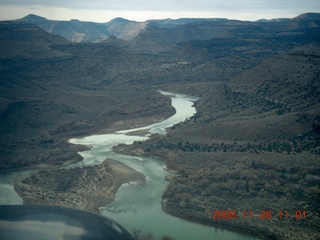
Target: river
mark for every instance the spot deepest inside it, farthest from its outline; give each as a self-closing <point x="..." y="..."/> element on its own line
<point x="138" y="206"/>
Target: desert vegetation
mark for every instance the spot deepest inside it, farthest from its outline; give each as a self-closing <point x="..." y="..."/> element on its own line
<point x="85" y="188"/>
<point x="253" y="144"/>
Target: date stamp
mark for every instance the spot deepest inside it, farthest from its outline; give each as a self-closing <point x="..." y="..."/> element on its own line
<point x="262" y="215"/>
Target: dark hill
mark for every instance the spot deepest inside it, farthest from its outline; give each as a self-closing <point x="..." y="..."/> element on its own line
<point x="33" y="18"/>
<point x="158" y="35"/>
<point x="52" y="89"/>
<point x="114" y="41"/>
<point x="308" y="16"/>
<point x="290" y="79"/>
<point x="25" y="40"/>
<point x="156" y="39"/>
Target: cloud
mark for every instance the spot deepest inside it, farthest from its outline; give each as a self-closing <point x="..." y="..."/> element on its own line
<point x="169" y="5"/>
<point x="104" y="10"/>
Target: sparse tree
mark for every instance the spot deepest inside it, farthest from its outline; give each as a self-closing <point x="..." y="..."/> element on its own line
<point x="166" y="238"/>
<point x="136" y="234"/>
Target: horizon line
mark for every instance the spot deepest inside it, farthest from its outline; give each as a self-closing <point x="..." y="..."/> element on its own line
<point x="157" y="19"/>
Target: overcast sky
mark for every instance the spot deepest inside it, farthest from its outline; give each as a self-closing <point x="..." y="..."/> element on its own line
<point x="140" y="10"/>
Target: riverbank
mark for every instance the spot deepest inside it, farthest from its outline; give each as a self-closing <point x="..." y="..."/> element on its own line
<point x="85" y="188"/>
<point x="219" y="181"/>
<point x="209" y="222"/>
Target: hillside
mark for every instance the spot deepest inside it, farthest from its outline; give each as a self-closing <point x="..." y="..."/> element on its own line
<point x="73" y="30"/>
<point x="64" y="89"/>
<point x="79" y="31"/>
<point x="17" y="42"/>
<point x="156" y="39"/>
<point x="253" y="144"/>
<point x="168" y="32"/>
<point x="125" y="29"/>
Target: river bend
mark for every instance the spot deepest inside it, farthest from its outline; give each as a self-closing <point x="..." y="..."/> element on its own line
<point x="137" y="206"/>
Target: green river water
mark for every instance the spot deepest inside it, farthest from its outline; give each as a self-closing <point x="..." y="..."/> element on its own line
<point x="138" y="206"/>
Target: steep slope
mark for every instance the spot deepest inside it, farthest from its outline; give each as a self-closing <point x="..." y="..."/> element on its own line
<point x="79" y="31"/>
<point x="159" y="35"/>
<point x="156" y="39"/>
<point x="51" y="89"/>
<point x="291" y="79"/>
<point x="125" y="29"/>
<point x="117" y="42"/>
<point x="28" y="41"/>
<point x="73" y="30"/>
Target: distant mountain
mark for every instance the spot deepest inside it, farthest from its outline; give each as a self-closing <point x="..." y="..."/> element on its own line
<point x="78" y="31"/>
<point x="73" y="30"/>
<point x="170" y="23"/>
<point x="128" y="30"/>
<point x="116" y="42"/>
<point x="156" y="39"/>
<point x="33" y="18"/>
<point x="273" y="20"/>
<point x="167" y="32"/>
<point x="308" y="16"/>
<point x="125" y="29"/>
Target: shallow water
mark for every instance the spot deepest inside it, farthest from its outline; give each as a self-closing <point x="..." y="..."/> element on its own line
<point x="7" y="194"/>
